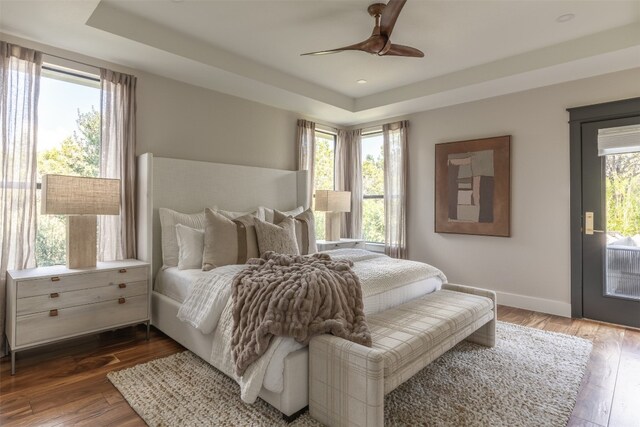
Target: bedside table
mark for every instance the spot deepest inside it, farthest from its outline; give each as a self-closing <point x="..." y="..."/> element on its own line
<point x="50" y="304"/>
<point x="326" y="245"/>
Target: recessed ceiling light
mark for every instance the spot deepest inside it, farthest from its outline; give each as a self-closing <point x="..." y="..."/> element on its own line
<point x="565" y="18"/>
<point x="361" y="81"/>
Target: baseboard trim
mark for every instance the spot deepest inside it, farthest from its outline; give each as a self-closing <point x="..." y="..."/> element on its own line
<point x="535" y="304"/>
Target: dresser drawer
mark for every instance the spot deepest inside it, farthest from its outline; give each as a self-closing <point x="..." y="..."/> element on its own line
<point x="64" y="283"/>
<point x="60" y="300"/>
<point x="38" y="327"/>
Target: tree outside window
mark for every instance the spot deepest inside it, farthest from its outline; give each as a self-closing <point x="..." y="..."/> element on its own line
<point x="323" y="172"/>
<point x="373" y="188"/>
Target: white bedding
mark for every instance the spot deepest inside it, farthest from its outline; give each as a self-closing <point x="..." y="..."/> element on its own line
<point x="178" y="284"/>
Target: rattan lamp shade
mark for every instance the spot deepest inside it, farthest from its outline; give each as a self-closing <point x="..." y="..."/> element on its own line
<point x="81" y="198"/>
<point x="78" y="195"/>
<point x="333" y="201"/>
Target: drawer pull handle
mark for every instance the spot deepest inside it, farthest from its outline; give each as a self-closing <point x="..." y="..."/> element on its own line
<point x="54" y="295"/>
<point x="55" y="279"/>
<point x="53" y="313"/>
<point x="122" y="270"/>
<point x="121" y="300"/>
<point x="122" y="285"/>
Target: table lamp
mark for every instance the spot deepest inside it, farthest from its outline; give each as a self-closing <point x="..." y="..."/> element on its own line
<point x="333" y="203"/>
<point x="81" y="199"/>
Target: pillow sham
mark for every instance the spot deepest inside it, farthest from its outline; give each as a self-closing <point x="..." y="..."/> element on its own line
<point x="190" y="247"/>
<point x="305" y="230"/>
<point x="168" y="221"/>
<point x="266" y="214"/>
<point x="228" y="241"/>
<point x="279" y="238"/>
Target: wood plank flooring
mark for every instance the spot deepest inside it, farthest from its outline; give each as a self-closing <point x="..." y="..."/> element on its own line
<point x="66" y="384"/>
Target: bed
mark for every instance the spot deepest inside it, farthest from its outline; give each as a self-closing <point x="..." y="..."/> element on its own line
<point x="162" y="183"/>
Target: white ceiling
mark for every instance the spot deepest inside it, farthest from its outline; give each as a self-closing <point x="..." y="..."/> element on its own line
<point x="251" y="49"/>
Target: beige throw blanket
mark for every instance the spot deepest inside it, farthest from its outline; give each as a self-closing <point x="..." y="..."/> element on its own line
<point x="294" y="296"/>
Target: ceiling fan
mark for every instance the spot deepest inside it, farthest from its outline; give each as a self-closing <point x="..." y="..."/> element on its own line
<point x="379" y="43"/>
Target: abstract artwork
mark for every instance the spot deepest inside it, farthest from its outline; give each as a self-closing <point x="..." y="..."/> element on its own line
<point x="473" y="187"/>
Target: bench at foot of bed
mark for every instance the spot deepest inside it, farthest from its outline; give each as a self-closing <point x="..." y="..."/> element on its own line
<point x="348" y="381"/>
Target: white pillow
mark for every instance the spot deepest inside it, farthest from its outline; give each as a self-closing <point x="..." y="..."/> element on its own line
<point x="190" y="247"/>
<point x="231" y="214"/>
<point x="266" y="214"/>
<point x="168" y="221"/>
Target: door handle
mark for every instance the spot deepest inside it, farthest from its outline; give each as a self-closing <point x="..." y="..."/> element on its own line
<point x="588" y="224"/>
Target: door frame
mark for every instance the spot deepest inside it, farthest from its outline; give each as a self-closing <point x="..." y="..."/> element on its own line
<point x="577" y="117"/>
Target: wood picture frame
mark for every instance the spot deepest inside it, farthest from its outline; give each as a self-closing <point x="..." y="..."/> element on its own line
<point x="473" y="187"/>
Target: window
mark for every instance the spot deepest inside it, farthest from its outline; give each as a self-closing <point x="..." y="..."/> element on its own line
<point x="323" y="171"/>
<point x="68" y="144"/>
<point x="373" y="187"/>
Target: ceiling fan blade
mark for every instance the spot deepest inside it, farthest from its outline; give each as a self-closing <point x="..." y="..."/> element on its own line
<point x="400" y="50"/>
<point x="390" y="16"/>
<point x="371" y="45"/>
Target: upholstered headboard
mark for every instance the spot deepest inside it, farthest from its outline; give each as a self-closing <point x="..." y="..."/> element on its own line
<point x="190" y="186"/>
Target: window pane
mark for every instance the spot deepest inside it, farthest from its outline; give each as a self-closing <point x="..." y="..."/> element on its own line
<point x="373" y="220"/>
<point x="323" y="173"/>
<point x="373" y="185"/>
<point x="68" y="144"/>
<point x="373" y="165"/>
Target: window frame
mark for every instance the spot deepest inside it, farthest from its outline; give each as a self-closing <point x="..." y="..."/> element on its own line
<point x="371" y="245"/>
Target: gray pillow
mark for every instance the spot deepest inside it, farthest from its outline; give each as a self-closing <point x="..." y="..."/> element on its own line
<point x="279" y="238"/>
<point x="305" y="230"/>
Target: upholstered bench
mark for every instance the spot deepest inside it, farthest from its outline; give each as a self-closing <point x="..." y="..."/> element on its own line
<point x="348" y="381"/>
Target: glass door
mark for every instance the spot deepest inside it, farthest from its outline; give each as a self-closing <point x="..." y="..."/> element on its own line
<point x="611" y="220"/>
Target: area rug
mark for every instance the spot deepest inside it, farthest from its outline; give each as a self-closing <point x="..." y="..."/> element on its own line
<point x="531" y="378"/>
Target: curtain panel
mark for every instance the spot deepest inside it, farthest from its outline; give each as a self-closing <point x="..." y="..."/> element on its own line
<point x="117" y="234"/>
<point x="19" y="91"/>
<point x="306" y="143"/>
<point x="395" y="188"/>
<point x="348" y="177"/>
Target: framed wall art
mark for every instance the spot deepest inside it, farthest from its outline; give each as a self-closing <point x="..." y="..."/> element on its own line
<point x="473" y="187"/>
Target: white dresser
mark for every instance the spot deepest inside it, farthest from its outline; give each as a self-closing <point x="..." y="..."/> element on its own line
<point x="49" y="304"/>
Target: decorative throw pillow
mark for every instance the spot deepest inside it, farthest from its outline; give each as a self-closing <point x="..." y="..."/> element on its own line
<point x="279" y="238"/>
<point x="305" y="230"/>
<point x="228" y="241"/>
<point x="168" y="221"/>
<point x="190" y="247"/>
<point x="266" y="214"/>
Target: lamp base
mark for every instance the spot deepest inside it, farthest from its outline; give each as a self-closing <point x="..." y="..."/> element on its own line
<point x="81" y="241"/>
<point x="332" y="226"/>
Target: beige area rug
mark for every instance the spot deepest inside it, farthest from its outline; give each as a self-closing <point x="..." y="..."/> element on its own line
<point x="531" y="378"/>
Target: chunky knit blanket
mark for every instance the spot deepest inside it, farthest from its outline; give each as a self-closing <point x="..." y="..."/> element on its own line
<point x="294" y="296"/>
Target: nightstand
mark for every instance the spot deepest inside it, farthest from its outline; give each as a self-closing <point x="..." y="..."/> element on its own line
<point x="326" y="245"/>
<point x="50" y="304"/>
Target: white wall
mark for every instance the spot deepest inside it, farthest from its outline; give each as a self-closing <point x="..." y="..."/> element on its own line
<point x="531" y="269"/>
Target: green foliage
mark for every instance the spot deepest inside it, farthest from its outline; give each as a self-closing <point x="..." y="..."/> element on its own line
<point x="373" y="209"/>
<point x="623" y="193"/>
<point x="77" y="154"/>
<point x="323" y="174"/>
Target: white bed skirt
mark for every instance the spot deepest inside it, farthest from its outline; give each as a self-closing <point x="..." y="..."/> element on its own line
<point x="295" y="394"/>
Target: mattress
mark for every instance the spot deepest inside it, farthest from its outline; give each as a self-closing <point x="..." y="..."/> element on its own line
<point x="176" y="284"/>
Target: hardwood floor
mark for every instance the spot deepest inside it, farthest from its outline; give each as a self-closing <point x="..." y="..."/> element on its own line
<point x="66" y="384"/>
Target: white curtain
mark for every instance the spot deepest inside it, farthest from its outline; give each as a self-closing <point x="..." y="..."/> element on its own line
<point x="348" y="177"/>
<point x="306" y="142"/>
<point x="395" y="188"/>
<point x="19" y="90"/>
<point x="117" y="234"/>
